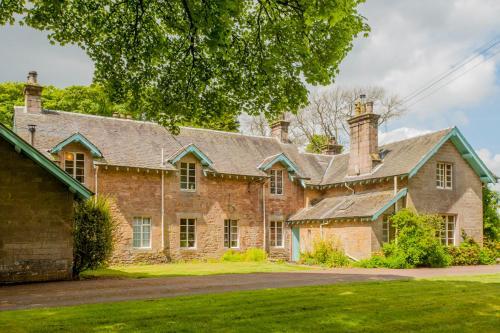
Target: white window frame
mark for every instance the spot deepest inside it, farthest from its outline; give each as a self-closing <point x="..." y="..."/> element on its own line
<point x="275" y="236"/>
<point x="229" y="227"/>
<point x="386" y="229"/>
<point x="72" y="170"/>
<point x="142" y="223"/>
<point x="444" y="176"/>
<point x="189" y="168"/>
<point x="184" y="236"/>
<point x="444" y="232"/>
<point x="276" y="185"/>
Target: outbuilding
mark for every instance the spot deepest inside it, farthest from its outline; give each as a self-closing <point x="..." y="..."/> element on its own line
<point x="36" y="213"/>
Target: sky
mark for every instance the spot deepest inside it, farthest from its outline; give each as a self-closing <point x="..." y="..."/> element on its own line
<point x="411" y="43"/>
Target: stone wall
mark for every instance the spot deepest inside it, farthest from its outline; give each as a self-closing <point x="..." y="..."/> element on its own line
<point x="138" y="193"/>
<point x="36" y="221"/>
<point x="464" y="199"/>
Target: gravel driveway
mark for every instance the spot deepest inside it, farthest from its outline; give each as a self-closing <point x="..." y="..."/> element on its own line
<point x="111" y="290"/>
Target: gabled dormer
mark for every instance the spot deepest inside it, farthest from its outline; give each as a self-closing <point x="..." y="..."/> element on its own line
<point x="76" y="155"/>
<point x="276" y="175"/>
<point x="188" y="173"/>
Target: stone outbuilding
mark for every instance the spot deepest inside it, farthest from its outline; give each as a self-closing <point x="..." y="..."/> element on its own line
<point x="36" y="213"/>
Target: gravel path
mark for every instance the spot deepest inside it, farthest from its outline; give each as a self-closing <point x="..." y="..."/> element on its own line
<point x="111" y="290"/>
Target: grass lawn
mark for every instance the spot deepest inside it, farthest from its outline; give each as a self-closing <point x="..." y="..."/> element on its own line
<point x="191" y="268"/>
<point x="449" y="305"/>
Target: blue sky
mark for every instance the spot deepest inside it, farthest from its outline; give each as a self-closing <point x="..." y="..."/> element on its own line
<point x="411" y="42"/>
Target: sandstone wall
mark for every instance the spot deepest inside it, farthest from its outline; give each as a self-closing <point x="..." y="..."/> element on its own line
<point x="36" y="221"/>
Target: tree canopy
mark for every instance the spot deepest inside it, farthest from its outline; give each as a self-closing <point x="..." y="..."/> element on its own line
<point x="93" y="99"/>
<point x="197" y="60"/>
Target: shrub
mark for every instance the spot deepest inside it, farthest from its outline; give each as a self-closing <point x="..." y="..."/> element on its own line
<point x="255" y="254"/>
<point x="471" y="253"/>
<point x="251" y="254"/>
<point x="232" y="256"/>
<point x="93" y="234"/>
<point x="416" y="245"/>
<point x="327" y="253"/>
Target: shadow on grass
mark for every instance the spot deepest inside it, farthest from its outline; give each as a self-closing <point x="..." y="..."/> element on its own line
<point x="409" y="306"/>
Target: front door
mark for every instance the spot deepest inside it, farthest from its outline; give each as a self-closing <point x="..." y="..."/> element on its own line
<point x="295" y="244"/>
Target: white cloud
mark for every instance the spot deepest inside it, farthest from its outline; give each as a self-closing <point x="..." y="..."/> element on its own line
<point x="400" y="134"/>
<point x="492" y="161"/>
<point x="412" y="42"/>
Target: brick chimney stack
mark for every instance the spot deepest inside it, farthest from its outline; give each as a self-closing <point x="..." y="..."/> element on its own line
<point x="363" y="153"/>
<point x="332" y="147"/>
<point x="32" y="94"/>
<point x="279" y="130"/>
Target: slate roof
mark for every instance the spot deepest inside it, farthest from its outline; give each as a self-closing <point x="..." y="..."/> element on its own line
<point x="350" y="206"/>
<point x="398" y="158"/>
<point x="125" y="142"/>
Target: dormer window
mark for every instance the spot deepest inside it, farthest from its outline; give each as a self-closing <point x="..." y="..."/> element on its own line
<point x="276" y="182"/>
<point x="188" y="176"/>
<point x="74" y="164"/>
<point x="444" y="176"/>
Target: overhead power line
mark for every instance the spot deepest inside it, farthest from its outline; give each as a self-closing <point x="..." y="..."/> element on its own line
<point x="455" y="68"/>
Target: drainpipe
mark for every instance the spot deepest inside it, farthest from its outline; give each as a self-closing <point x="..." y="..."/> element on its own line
<point x="349" y="188"/>
<point x="162" y="204"/>
<point x="96" y="168"/>
<point x="395" y="192"/>
<point x="264" y="243"/>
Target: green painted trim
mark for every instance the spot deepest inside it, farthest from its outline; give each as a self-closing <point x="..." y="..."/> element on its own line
<point x="22" y="146"/>
<point x="79" y="138"/>
<point x="465" y="149"/>
<point x="282" y="158"/>
<point x="391" y="202"/>
<point x="192" y="149"/>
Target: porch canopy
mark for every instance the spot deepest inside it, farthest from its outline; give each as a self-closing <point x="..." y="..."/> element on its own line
<point x="364" y="207"/>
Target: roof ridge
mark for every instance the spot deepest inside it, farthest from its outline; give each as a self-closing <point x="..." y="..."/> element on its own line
<point x="155" y="123"/>
<point x="420" y="135"/>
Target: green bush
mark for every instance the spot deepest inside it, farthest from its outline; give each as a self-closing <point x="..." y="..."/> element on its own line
<point x="471" y="253"/>
<point x="255" y="254"/>
<point x="416" y="245"/>
<point x="93" y="234"/>
<point x="251" y="254"/>
<point x="326" y="253"/>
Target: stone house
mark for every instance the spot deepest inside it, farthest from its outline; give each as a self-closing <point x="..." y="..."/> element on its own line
<point x="201" y="192"/>
<point x="36" y="213"/>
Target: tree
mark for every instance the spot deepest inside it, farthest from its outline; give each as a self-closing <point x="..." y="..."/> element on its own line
<point x="328" y="111"/>
<point x="93" y="99"/>
<point x="491" y="216"/>
<point x="192" y="60"/>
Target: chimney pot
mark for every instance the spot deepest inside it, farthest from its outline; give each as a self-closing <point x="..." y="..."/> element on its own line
<point x="332" y="147"/>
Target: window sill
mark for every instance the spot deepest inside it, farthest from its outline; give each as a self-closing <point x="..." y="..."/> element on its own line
<point x="188" y="191"/>
<point x="187" y="248"/>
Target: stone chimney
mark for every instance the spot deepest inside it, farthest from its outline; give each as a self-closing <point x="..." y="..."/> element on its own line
<point x="363" y="152"/>
<point x="279" y="130"/>
<point x="332" y="147"/>
<point x="32" y="94"/>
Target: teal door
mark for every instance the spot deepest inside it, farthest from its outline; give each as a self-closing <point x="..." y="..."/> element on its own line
<point x="295" y="244"/>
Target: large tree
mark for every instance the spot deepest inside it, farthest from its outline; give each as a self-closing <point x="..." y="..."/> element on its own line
<point x="200" y="59"/>
<point x="91" y="99"/>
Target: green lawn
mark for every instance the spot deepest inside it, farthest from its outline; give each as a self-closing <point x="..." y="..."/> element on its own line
<point x="191" y="268"/>
<point x="448" y="305"/>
